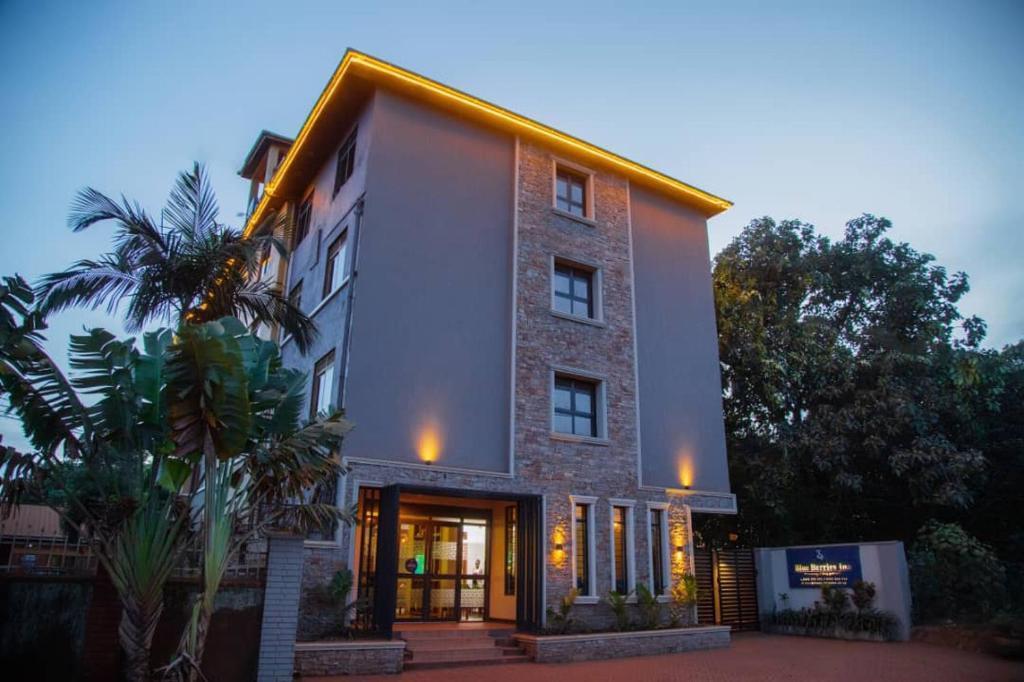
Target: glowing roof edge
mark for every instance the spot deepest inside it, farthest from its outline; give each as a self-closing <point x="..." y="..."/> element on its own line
<point x="372" y="67"/>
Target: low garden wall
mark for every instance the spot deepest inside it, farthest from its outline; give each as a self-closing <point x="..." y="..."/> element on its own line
<point x="353" y="657"/>
<point x="595" y="646"/>
<point x="828" y="633"/>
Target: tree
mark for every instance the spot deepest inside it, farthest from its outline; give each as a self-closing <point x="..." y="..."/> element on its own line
<point x="844" y="417"/>
<point x="207" y="411"/>
<point x="191" y="268"/>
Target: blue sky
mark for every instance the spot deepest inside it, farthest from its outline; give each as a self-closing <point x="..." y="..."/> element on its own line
<point x="819" y="111"/>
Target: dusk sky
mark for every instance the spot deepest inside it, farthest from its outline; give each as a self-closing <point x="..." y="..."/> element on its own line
<point x="818" y="111"/>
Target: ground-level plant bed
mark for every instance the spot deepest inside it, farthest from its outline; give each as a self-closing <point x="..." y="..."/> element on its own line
<point x="868" y="625"/>
<point x="349" y="657"/>
<point x="600" y="645"/>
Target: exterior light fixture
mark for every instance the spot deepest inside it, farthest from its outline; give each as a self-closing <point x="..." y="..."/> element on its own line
<point x="686" y="487"/>
<point x="559" y="547"/>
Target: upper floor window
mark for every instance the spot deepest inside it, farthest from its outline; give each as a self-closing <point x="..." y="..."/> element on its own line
<point x="575" y="406"/>
<point x="346" y="162"/>
<point x="303" y="216"/>
<point x="295" y="295"/>
<point x="571" y="191"/>
<point x="336" y="269"/>
<point x="574" y="290"/>
<point x="323" y="386"/>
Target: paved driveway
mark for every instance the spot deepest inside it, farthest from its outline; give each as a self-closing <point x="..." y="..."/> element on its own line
<point x="753" y="656"/>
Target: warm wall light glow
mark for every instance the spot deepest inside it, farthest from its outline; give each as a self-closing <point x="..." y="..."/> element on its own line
<point x="686" y="471"/>
<point x="558" y="543"/>
<point x="428" y="445"/>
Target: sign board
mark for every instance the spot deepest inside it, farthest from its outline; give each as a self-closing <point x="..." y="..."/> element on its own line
<point x="817" y="566"/>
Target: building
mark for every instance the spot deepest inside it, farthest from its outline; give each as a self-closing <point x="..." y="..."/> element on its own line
<point x="521" y="326"/>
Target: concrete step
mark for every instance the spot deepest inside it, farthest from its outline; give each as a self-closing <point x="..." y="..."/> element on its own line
<point x="465" y="662"/>
<point x="410" y="635"/>
<point x="455" y="655"/>
<point x="451" y="644"/>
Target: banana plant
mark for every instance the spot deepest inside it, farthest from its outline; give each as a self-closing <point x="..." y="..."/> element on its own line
<point x="236" y="413"/>
<point x="200" y="432"/>
<point x="93" y="461"/>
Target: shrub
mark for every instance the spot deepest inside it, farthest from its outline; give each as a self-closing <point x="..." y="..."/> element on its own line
<point x="953" y="575"/>
<point x="863" y="595"/>
<point x="684" y="598"/>
<point x="561" y="620"/>
<point x="618" y="605"/>
<point x="647" y="603"/>
<point x="825" y="622"/>
<point x="834" y="599"/>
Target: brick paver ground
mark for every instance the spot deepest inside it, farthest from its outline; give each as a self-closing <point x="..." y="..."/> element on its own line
<point x="753" y="656"/>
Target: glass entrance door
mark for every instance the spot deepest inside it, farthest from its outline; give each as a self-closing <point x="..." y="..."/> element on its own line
<point x="429" y="556"/>
<point x="442" y="568"/>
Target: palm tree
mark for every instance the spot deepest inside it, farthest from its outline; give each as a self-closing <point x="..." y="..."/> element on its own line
<point x="208" y="402"/>
<point x="189" y="269"/>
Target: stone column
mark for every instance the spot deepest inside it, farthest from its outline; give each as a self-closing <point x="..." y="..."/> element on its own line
<point x="280" y="608"/>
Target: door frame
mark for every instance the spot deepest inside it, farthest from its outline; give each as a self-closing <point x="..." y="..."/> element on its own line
<point x="529" y="559"/>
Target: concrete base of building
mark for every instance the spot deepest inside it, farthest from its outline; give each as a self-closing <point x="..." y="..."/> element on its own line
<point x="353" y="657"/>
<point x="602" y="645"/>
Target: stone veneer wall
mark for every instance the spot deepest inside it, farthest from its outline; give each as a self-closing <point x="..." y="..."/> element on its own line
<point x="547" y="465"/>
<point x="590" y="647"/>
<point x="349" y="658"/>
<point x="319" y="617"/>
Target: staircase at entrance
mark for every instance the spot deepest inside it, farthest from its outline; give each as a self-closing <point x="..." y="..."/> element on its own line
<point x="438" y="645"/>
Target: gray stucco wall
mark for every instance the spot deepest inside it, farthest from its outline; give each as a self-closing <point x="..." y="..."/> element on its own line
<point x="330" y="217"/>
<point x="431" y="331"/>
<point x="682" y="434"/>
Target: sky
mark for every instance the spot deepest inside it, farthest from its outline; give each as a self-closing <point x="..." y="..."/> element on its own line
<point x="819" y="111"/>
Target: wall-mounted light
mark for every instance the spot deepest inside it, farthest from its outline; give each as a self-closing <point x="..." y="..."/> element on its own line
<point x="686" y="486"/>
<point x="558" y="545"/>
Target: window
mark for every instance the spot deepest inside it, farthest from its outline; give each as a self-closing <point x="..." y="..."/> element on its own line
<point x="573" y="290"/>
<point x="657" y="540"/>
<point x="323" y="386"/>
<point x="346" y="162"/>
<point x="337" y="264"/>
<point x="575" y="409"/>
<point x="510" y="550"/>
<point x="295" y="295"/>
<point x="583" y="546"/>
<point x="622" y="536"/>
<point x="619" y="559"/>
<point x="570" y="192"/>
<point x="302" y="219"/>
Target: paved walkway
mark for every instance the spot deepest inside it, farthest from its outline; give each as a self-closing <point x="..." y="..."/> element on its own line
<point x="753" y="656"/>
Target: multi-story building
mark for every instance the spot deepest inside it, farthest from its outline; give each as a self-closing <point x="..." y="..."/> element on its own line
<point x="520" y="324"/>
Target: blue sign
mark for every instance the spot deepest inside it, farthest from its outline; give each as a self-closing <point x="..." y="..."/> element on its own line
<point x="817" y="566"/>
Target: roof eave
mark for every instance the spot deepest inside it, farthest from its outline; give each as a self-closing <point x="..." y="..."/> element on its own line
<point x="389" y="75"/>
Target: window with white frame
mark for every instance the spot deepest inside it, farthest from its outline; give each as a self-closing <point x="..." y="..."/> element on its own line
<point x="657" y="541"/>
<point x="584" y="570"/>
<point x="336" y="268"/>
<point x="623" y="563"/>
<point x="323" y="386"/>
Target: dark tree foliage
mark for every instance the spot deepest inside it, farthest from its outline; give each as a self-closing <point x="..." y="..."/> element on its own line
<point x="858" y="402"/>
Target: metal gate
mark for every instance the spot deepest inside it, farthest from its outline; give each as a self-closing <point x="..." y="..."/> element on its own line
<point x="726" y="587"/>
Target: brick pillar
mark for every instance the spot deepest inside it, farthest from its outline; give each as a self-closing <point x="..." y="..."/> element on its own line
<point x="101" y="650"/>
<point x="280" y="608"/>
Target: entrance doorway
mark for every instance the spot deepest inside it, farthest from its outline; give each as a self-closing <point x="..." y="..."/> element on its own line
<point x="452" y="555"/>
<point x="443" y="568"/>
